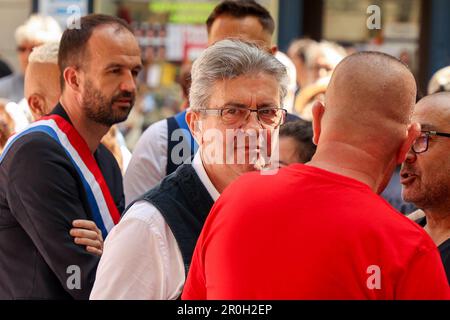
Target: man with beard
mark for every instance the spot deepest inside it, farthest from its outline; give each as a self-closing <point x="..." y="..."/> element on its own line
<point x="425" y="174"/>
<point x="236" y="89"/>
<point x="56" y="170"/>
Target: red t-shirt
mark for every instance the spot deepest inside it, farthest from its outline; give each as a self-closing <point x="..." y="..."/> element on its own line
<point x="306" y="233"/>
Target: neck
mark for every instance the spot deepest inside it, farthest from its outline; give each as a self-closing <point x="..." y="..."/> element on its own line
<point x="221" y="175"/>
<point x="438" y="224"/>
<point x="350" y="161"/>
<point x="91" y="131"/>
<point x="221" y="179"/>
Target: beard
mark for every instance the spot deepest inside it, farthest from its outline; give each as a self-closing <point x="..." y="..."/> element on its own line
<point x="100" y="109"/>
<point x="428" y="192"/>
<point x="427" y="197"/>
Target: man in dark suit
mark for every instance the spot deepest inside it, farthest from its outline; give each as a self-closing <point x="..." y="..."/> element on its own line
<point x="56" y="171"/>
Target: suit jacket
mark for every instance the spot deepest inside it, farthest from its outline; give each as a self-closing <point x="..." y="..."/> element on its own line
<point x="41" y="194"/>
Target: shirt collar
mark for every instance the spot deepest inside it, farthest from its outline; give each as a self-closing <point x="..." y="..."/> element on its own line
<point x="59" y="110"/>
<point x="201" y="172"/>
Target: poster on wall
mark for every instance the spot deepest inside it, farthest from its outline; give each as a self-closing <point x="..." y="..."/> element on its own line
<point x="180" y="32"/>
<point x="64" y="11"/>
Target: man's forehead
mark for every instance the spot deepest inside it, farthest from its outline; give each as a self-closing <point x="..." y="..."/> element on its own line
<point x="433" y="114"/>
<point x="31" y="43"/>
<point x="246" y="28"/>
<point x="111" y="39"/>
<point x="228" y="20"/>
<point x="258" y="80"/>
<point x="105" y="49"/>
<point x="247" y="89"/>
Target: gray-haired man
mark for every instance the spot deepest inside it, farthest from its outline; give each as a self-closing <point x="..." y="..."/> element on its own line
<point x="37" y="30"/>
<point x="236" y="91"/>
<point x="153" y="157"/>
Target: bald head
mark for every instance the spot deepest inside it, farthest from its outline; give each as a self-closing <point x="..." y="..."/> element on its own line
<point x="369" y="102"/>
<point x="371" y="87"/>
<point x="433" y="112"/>
<point x="365" y="123"/>
<point x="42" y="88"/>
<point x="429" y="189"/>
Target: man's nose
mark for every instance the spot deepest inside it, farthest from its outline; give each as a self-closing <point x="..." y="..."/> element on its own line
<point x="129" y="83"/>
<point x="252" y="121"/>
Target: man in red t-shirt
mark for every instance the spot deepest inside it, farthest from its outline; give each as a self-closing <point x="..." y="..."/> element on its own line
<point x="320" y="231"/>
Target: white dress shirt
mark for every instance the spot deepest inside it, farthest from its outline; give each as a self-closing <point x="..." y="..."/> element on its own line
<point x="141" y="258"/>
<point x="148" y="164"/>
<point x="126" y="154"/>
<point x="20" y="113"/>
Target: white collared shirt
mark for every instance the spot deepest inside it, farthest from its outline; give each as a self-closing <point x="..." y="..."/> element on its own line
<point x="141" y="258"/>
<point x="148" y="163"/>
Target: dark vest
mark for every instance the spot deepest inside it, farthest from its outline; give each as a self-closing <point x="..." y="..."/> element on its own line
<point x="184" y="203"/>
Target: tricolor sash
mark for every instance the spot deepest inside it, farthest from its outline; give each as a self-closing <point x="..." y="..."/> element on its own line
<point x="101" y="203"/>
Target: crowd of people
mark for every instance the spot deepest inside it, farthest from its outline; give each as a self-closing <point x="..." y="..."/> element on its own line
<point x="312" y="175"/>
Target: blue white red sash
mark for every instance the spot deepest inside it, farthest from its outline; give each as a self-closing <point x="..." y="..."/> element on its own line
<point x="101" y="203"/>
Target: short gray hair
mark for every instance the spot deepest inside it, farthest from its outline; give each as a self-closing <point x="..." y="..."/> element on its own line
<point x="38" y="28"/>
<point x="229" y="59"/>
<point x="46" y="53"/>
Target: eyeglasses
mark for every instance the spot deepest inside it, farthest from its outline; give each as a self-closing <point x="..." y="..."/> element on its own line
<point x="235" y="116"/>
<point x="23" y="49"/>
<point x="421" y="143"/>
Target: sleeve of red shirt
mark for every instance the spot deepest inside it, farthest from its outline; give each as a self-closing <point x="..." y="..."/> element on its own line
<point x="424" y="278"/>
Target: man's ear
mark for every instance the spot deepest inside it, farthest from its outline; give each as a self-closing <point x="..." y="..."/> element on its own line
<point x="413" y="132"/>
<point x="274" y="49"/>
<point x="318" y="110"/>
<point x="194" y="123"/>
<point x="71" y="78"/>
<point x="37" y="105"/>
